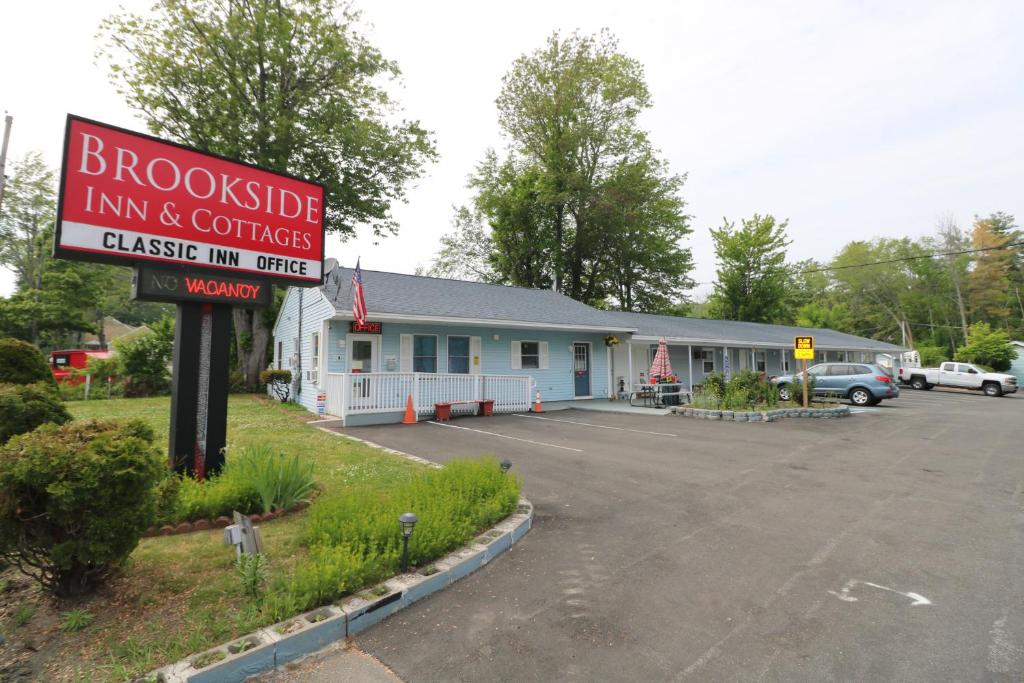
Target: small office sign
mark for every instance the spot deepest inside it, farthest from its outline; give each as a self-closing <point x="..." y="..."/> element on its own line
<point x="803" y="348"/>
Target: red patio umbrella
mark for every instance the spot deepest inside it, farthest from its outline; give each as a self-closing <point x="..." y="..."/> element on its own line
<point x="662" y="366"/>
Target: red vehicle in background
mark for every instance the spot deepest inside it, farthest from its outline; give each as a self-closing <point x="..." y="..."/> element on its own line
<point x="62" y="363"/>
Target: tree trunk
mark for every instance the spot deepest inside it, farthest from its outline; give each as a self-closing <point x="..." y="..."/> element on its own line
<point x="960" y="305"/>
<point x="251" y="336"/>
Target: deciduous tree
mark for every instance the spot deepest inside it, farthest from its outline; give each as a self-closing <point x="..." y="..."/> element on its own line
<point x="752" y="277"/>
<point x="289" y="85"/>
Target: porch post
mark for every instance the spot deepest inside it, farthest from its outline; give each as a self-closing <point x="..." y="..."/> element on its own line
<point x="689" y="357"/>
<point x="416" y="394"/>
<point x="629" y="374"/>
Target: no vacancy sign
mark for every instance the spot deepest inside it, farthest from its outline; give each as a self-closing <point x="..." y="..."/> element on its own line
<point x="131" y="199"/>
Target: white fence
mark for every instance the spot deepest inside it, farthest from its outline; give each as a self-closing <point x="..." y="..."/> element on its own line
<point x="387" y="392"/>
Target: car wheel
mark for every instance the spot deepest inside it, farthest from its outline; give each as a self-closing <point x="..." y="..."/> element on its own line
<point x="861" y="397"/>
<point x="783" y="393"/>
<point x="992" y="389"/>
<point x="918" y="383"/>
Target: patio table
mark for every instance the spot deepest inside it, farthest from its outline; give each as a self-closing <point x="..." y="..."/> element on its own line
<point x="654" y="395"/>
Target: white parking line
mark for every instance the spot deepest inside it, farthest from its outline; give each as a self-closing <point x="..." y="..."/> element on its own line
<point x="588" y="424"/>
<point x="505" y="436"/>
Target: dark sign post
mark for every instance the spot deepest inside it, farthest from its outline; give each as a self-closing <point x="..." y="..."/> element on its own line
<point x="203" y="231"/>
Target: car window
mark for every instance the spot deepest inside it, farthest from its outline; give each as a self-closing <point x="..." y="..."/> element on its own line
<point x="969" y="370"/>
<point x="949" y="367"/>
<point x="962" y="368"/>
<point x="818" y="370"/>
<point x="839" y="370"/>
<point x="861" y="370"/>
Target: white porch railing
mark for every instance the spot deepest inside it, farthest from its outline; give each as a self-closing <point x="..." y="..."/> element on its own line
<point x="385" y="392"/>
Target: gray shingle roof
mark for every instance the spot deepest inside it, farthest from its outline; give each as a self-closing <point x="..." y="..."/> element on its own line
<point x="414" y="296"/>
<point x="672" y="327"/>
<point x="396" y="294"/>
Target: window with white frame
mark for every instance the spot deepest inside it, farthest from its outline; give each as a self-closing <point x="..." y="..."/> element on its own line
<point x="314" y="351"/>
<point x="529" y="354"/>
<point x="424" y="353"/>
<point x="761" y="361"/>
<point x="785" y="363"/>
<point x="707" y="360"/>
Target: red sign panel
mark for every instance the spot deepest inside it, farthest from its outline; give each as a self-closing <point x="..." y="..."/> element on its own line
<point x="128" y="198"/>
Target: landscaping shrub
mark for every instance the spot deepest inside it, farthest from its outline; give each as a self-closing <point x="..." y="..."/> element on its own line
<point x="746" y="390"/>
<point x="23" y="363"/>
<point x="279" y="381"/>
<point x="25" y="407"/>
<point x="75" y="499"/>
<point x="217" y="495"/>
<point x="256" y="480"/>
<point x="355" y="539"/>
<point x="281" y="481"/>
<point x="144" y="359"/>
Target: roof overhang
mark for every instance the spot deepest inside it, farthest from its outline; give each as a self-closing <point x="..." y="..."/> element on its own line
<point x="694" y="341"/>
<point x="481" y="322"/>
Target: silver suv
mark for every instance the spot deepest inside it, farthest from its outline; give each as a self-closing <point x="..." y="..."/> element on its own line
<point x="864" y="384"/>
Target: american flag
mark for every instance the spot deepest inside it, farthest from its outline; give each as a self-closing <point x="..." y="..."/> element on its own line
<point x="358" y="300"/>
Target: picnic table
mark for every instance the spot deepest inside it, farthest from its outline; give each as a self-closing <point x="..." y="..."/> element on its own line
<point x="659" y="395"/>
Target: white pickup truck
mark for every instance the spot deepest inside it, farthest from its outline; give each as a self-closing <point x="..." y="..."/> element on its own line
<point x="960" y="375"/>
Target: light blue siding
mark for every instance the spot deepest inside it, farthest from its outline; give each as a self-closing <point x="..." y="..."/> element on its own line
<point x="554" y="383"/>
<point x="315" y="309"/>
<point x="1017" y="365"/>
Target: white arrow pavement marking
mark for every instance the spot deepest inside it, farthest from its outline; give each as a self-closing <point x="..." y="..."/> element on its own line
<point x="845" y="596"/>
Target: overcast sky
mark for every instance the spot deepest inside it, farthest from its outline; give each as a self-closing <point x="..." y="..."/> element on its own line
<point x="852" y="119"/>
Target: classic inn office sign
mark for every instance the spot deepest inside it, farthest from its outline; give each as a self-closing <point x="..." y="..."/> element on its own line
<point x="203" y="231"/>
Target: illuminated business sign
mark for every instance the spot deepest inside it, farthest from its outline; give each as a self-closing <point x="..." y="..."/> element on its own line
<point x="159" y="284"/>
<point x="131" y="199"/>
<point x="365" y="328"/>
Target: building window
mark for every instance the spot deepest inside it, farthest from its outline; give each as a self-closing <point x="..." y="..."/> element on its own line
<point x="424" y="353"/>
<point x="707" y="359"/>
<point x="280" y="353"/>
<point x="529" y="352"/>
<point x="785" y="363"/>
<point x="314" y="349"/>
<point x="458" y="355"/>
<point x="761" y="361"/>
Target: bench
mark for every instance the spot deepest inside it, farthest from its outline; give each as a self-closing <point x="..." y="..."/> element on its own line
<point x="443" y="411"/>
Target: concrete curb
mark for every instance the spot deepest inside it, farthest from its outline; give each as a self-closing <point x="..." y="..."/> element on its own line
<point x="306" y="633"/>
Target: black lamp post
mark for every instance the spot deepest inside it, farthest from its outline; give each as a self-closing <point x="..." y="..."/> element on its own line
<point x="407" y="521"/>
<point x="506" y="465"/>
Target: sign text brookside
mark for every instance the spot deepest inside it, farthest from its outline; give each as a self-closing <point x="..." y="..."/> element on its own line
<point x="132" y="199"/>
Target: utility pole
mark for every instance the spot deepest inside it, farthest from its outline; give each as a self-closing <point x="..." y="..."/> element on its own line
<point x="8" y="120"/>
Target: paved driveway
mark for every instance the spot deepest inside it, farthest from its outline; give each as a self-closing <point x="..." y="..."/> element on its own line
<point x="673" y="549"/>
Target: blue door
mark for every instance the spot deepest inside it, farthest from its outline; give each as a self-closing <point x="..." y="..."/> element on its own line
<point x="581" y="368"/>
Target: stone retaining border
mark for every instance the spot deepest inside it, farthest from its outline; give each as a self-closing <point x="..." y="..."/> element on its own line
<point x="761" y="416"/>
<point x="306" y="633"/>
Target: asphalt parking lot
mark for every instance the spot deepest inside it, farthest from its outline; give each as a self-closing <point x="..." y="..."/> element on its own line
<point x="885" y="546"/>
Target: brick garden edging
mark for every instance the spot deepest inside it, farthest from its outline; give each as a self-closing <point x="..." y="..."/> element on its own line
<point x="222" y="521"/>
<point x="306" y="633"/>
<point x="761" y="416"/>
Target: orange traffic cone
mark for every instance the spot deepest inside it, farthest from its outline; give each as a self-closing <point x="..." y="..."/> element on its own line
<point x="536" y="405"/>
<point x="410" y="413"/>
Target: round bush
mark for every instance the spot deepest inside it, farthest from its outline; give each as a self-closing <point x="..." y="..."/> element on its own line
<point x="25" y="407"/>
<point x="23" y="363"/>
<point x="75" y="500"/>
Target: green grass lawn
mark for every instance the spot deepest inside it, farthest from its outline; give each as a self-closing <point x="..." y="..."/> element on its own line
<point x="180" y="594"/>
